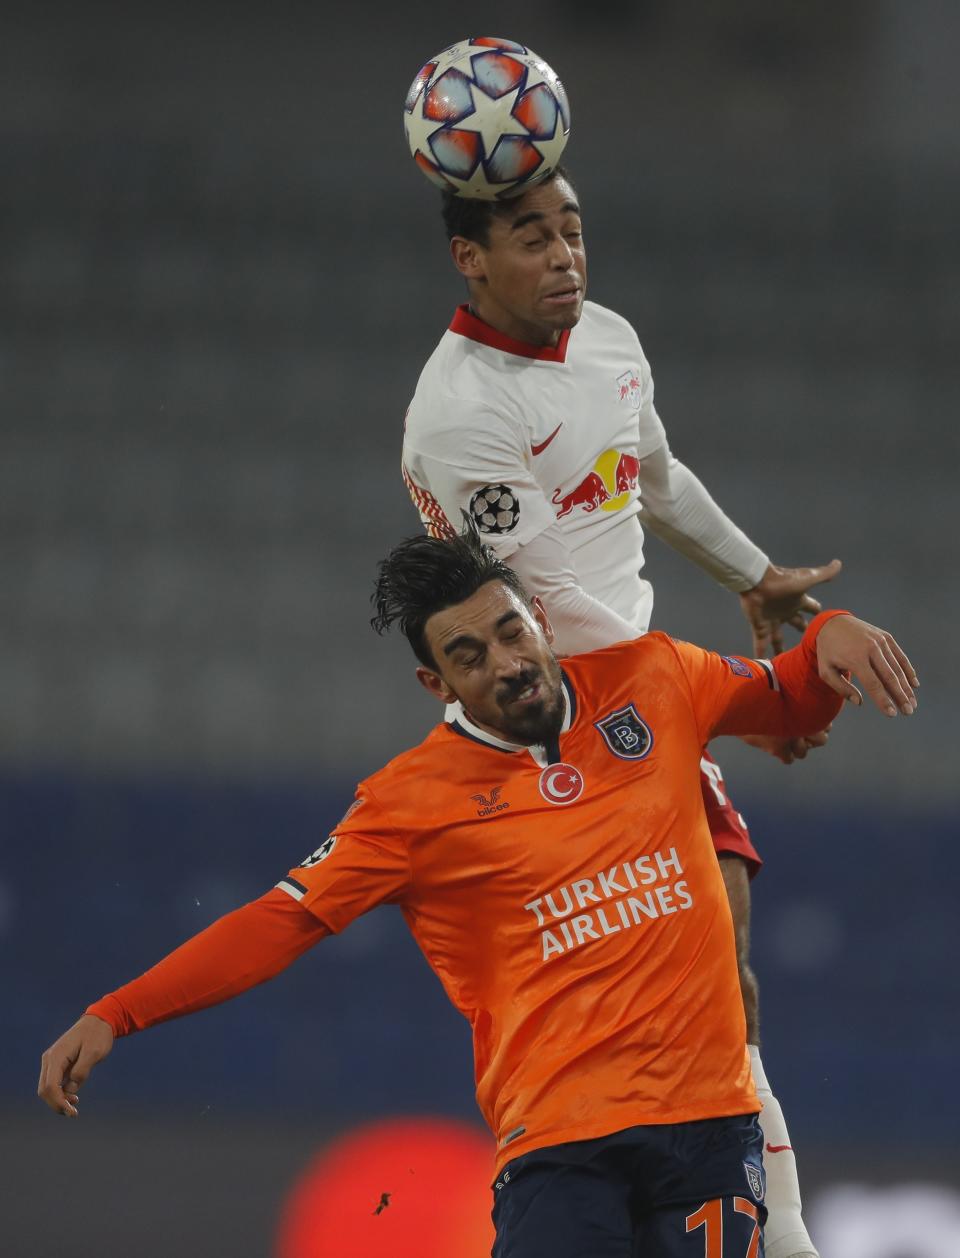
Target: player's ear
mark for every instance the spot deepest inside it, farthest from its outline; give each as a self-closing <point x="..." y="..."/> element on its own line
<point x="433" y="682"/>
<point x="467" y="258"/>
<point x="542" y="619"/>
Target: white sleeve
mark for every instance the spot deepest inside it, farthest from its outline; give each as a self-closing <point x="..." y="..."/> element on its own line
<point x="479" y="464"/>
<point x="678" y="508"/>
<point x="581" y="622"/>
<point x="651" y="433"/>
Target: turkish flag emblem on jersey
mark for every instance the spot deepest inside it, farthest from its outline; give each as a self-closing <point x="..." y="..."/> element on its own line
<point x="561" y="783"/>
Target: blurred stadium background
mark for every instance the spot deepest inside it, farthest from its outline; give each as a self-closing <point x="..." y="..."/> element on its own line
<point x="219" y="277"/>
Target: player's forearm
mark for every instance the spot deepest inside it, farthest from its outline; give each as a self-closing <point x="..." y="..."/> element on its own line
<point x="583" y="623"/>
<point x="580" y="621"/>
<point x="235" y="953"/>
<point x="677" y="507"/>
<point x="797" y="702"/>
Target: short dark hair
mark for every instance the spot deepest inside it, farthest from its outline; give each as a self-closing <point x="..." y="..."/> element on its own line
<point x="423" y="575"/>
<point x="471" y="217"/>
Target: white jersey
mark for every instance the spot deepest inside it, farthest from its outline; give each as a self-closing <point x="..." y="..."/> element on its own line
<point x="524" y="437"/>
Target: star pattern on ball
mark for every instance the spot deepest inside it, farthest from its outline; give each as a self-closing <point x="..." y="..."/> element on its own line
<point x="492" y="120"/>
<point x="497" y="122"/>
<point x="486" y="119"/>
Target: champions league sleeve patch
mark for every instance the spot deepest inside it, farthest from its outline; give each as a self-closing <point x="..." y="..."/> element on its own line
<point x="321" y="854"/>
<point x="737" y="667"/>
<point x="495" y="509"/>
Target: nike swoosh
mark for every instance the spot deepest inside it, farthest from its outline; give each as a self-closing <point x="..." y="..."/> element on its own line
<point x="539" y="448"/>
<point x="779" y="1148"/>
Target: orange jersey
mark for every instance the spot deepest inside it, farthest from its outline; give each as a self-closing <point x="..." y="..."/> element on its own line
<point x="575" y="912"/>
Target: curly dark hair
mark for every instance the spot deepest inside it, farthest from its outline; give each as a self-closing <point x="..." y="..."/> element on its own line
<point x="423" y="575"/>
<point x="471" y="217"/>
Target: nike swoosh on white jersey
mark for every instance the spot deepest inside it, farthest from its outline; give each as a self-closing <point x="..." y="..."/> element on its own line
<point x="538" y="447"/>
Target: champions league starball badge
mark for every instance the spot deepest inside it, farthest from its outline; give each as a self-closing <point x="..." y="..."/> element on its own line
<point x="495" y="509"/>
<point x="321" y="854"/>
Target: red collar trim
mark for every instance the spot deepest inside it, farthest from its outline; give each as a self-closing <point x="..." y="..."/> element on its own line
<point x="465" y="323"/>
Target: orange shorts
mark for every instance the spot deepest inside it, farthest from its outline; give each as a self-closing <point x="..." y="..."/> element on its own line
<point x="727" y="827"/>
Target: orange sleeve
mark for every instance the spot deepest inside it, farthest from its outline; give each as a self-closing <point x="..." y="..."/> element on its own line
<point x="785" y="696"/>
<point x="236" y="952"/>
<point x="363" y="862"/>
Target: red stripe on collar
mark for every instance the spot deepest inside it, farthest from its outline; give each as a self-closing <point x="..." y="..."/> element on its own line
<point x="465" y="323"/>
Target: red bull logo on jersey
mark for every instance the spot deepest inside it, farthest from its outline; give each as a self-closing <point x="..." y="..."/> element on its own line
<point x="608" y="486"/>
<point x="629" y="389"/>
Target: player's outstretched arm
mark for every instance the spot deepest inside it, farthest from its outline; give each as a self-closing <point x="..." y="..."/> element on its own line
<point x="802" y="690"/>
<point x="782" y="596"/>
<point x="246" y="947"/>
<point x="849" y="647"/>
<point x="678" y="507"/>
<point x="66" y="1065"/>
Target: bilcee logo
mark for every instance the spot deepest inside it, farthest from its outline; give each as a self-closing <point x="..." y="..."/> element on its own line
<point x="490" y="803"/>
<point x="626" y="733"/>
<point x="609" y="485"/>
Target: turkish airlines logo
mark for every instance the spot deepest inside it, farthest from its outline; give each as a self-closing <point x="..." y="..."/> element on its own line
<point x="561" y="783"/>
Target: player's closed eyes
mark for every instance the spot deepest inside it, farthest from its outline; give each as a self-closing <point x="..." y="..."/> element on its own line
<point x="472" y="660"/>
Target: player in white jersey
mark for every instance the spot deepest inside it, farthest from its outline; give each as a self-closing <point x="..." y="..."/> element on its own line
<point x="535" y="415"/>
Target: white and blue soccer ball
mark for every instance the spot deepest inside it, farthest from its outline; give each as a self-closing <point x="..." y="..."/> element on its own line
<point x="486" y="118"/>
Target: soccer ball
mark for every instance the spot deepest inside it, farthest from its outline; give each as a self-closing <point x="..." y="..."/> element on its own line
<point x="486" y="118"/>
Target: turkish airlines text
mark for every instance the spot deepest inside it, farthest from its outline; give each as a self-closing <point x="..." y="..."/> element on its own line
<point x="614" y="899"/>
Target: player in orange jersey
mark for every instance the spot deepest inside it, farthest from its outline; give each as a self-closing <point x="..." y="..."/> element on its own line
<point x="550" y="854"/>
<point x="535" y="414"/>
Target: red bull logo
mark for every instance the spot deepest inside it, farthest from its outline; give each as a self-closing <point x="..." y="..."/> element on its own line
<point x="609" y="486"/>
<point x="628" y="388"/>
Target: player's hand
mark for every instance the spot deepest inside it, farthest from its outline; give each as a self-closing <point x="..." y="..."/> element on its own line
<point x="846" y="645"/>
<point x="65" y="1065"/>
<point x="781" y="598"/>
<point x="787" y="750"/>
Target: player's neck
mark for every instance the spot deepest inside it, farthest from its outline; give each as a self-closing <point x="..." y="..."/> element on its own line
<point x="507" y="324"/>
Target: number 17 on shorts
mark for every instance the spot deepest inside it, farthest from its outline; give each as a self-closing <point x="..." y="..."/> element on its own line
<point x="726" y="1227"/>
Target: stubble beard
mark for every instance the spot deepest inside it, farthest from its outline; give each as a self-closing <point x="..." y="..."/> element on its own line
<point x="542" y="724"/>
